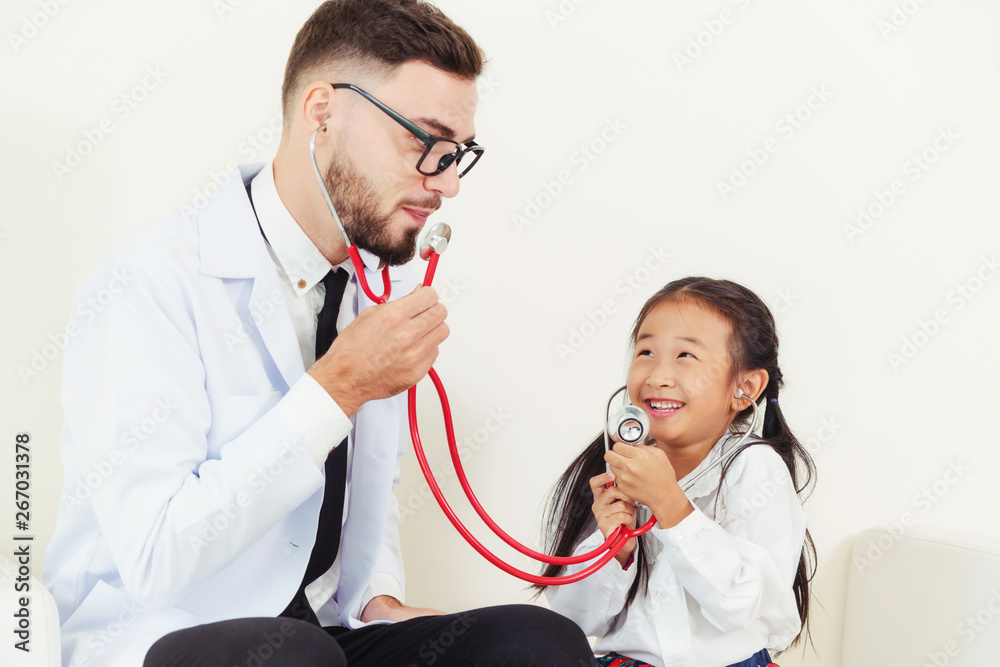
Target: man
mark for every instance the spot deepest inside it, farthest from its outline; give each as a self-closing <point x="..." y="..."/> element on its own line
<point x="211" y="429"/>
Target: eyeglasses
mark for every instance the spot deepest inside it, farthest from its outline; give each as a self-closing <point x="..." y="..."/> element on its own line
<point x="439" y="153"/>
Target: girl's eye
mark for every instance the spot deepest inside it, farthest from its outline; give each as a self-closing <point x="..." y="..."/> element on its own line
<point x="645" y="353"/>
<point x="686" y="354"/>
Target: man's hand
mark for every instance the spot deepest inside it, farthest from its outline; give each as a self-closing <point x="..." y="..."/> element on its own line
<point x="385" y="351"/>
<point x="388" y="608"/>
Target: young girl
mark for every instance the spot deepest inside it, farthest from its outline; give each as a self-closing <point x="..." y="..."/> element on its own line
<point x="724" y="574"/>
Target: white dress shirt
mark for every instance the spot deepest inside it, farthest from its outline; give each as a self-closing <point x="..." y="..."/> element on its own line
<point x="721" y="585"/>
<point x="308" y="407"/>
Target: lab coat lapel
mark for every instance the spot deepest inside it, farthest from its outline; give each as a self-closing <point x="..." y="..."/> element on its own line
<point x="231" y="246"/>
<point x="274" y="322"/>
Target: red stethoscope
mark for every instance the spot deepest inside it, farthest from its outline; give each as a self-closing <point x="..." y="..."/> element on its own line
<point x="435" y="241"/>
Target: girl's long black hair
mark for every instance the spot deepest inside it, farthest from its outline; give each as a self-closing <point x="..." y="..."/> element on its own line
<point x="753" y="344"/>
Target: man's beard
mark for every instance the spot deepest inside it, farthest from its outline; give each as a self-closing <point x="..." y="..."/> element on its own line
<point x="357" y="203"/>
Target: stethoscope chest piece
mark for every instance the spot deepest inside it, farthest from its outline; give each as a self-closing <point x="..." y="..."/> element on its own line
<point x="435" y="240"/>
<point x="629" y="425"/>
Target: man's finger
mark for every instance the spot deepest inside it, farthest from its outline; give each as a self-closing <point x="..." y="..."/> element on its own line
<point x="431" y="318"/>
<point x="416" y="302"/>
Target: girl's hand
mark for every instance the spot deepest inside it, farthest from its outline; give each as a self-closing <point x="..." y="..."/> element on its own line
<point x="612" y="508"/>
<point x="645" y="474"/>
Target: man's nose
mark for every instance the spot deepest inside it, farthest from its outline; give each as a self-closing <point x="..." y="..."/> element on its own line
<point x="446" y="183"/>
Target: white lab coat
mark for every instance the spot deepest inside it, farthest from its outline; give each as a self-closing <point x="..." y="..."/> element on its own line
<point x="188" y="499"/>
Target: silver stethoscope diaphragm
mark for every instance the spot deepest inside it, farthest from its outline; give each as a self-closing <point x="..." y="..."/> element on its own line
<point x="435" y="240"/>
<point x="628" y="424"/>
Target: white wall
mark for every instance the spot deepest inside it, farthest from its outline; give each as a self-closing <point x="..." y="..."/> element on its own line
<point x="881" y="432"/>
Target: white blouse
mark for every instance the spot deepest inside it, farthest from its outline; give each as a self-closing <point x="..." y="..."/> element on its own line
<point x="721" y="585"/>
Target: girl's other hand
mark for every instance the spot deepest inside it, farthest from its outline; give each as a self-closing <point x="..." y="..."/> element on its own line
<point x="612" y="508"/>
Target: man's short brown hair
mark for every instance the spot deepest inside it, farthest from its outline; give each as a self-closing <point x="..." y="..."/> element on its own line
<point x="380" y="34"/>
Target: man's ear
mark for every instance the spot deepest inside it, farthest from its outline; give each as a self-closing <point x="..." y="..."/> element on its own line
<point x="752" y="384"/>
<point x="317" y="105"/>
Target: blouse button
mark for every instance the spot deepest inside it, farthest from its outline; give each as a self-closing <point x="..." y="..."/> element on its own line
<point x="302" y="284"/>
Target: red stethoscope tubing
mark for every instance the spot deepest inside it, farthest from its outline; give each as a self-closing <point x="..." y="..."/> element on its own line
<point x="457" y="523"/>
<point x="610" y="548"/>
<point x="481" y="511"/>
<point x="359" y="268"/>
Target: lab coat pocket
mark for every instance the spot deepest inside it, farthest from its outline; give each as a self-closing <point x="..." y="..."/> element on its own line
<point x="233" y="414"/>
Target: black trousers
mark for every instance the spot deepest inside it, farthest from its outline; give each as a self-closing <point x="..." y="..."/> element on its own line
<point x="505" y="636"/>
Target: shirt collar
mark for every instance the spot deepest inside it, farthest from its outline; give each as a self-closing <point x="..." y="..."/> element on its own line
<point x="301" y="260"/>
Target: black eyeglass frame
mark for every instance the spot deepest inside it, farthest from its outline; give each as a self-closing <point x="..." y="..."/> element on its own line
<point x="426" y="138"/>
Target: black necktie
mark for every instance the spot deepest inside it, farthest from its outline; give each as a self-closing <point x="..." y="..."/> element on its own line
<point x="326" y="323"/>
<point x="331" y="514"/>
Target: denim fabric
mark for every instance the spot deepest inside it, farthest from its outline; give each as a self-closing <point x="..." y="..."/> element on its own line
<point x="760" y="659"/>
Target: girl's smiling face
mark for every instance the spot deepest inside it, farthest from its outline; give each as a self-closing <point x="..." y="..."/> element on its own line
<point x="682" y="376"/>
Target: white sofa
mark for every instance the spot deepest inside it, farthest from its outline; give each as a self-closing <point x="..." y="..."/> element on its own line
<point x="922" y="598"/>
<point x="918" y="598"/>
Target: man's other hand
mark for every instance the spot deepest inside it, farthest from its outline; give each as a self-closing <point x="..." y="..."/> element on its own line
<point x="387" y="608"/>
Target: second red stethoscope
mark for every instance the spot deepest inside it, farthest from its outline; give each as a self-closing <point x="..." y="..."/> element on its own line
<point x="628" y="428"/>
